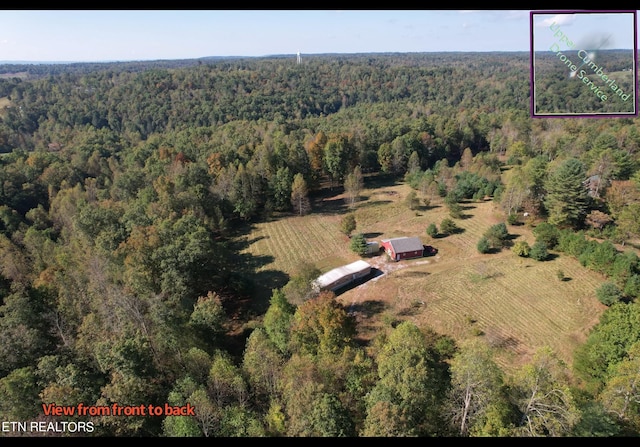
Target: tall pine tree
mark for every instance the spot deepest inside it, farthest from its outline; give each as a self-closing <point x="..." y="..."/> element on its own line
<point x="567" y="199"/>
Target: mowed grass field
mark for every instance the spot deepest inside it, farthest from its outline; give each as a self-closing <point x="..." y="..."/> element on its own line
<point x="517" y="304"/>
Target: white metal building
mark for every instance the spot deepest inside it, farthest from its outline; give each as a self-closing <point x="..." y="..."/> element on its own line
<point x="341" y="276"/>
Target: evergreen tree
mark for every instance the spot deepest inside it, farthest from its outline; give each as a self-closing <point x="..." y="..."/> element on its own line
<point x="567" y="200"/>
<point x="358" y="244"/>
<point x="348" y="224"/>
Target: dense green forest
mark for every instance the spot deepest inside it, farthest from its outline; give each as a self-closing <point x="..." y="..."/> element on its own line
<point x="123" y="184"/>
<point x="564" y="82"/>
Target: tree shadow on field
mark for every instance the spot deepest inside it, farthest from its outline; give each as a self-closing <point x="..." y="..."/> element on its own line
<point x="368" y="309"/>
<point x="380" y="180"/>
<point x="373" y="203"/>
<point x="264" y="283"/>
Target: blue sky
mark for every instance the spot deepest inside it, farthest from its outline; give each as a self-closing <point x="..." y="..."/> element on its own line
<point x="122" y="35"/>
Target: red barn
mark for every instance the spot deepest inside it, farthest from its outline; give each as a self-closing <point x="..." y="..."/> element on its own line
<point x="403" y="247"/>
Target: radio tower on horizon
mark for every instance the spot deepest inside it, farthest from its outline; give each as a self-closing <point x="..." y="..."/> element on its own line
<point x="298" y="59"/>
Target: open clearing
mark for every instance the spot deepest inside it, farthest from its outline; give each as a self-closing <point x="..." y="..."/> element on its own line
<point x="517" y="304"/>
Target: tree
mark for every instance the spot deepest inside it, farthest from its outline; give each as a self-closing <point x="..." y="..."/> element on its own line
<point x="208" y="316"/>
<point x="412" y="200"/>
<point x="629" y="220"/>
<point x="608" y="343"/>
<point x="300" y="286"/>
<point x="476" y="382"/>
<point x="187" y="390"/>
<point x="621" y="394"/>
<point x="608" y="293"/>
<point x="281" y="188"/>
<point x="277" y="320"/>
<point x="19" y="395"/>
<point x="358" y="244"/>
<point x="598" y="220"/>
<point x="336" y="158"/>
<point x="300" y="195"/>
<point x="409" y="393"/>
<point x="262" y="363"/>
<point x="497" y="236"/>
<point x="547" y="234"/>
<point x="353" y="185"/>
<point x="455" y="209"/>
<point x="321" y="325"/>
<point x="432" y="230"/>
<point x="567" y="199"/>
<point x="539" y="251"/>
<point x="226" y="384"/>
<point x="620" y="194"/>
<point x="448" y="226"/>
<point x="348" y="224"/>
<point x="413" y="165"/>
<point x="317" y="413"/>
<point x="541" y="391"/>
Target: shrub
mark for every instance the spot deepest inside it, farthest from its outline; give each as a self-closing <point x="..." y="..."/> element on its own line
<point x="455" y="210"/>
<point x="432" y="230"/>
<point x="497" y="236"/>
<point x="608" y="293"/>
<point x="521" y="248"/>
<point x="632" y="286"/>
<point x="512" y="219"/>
<point x="547" y="233"/>
<point x="483" y="245"/>
<point x="539" y="251"/>
<point x="412" y="200"/>
<point x="448" y="226"/>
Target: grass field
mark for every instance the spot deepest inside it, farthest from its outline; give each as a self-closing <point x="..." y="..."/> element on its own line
<point x="517" y="304"/>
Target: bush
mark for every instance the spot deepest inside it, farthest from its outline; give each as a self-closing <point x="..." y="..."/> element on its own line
<point x="483" y="245"/>
<point x="448" y="226"/>
<point x="432" y="230"/>
<point x="539" y="251"/>
<point x="412" y="200"/>
<point x="632" y="286"/>
<point x="608" y="293"/>
<point x="548" y="234"/>
<point x="497" y="236"/>
<point x="455" y="210"/>
<point x="521" y="248"/>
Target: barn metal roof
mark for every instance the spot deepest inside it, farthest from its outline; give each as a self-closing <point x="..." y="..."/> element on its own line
<point x="333" y="275"/>
<point x="405" y="244"/>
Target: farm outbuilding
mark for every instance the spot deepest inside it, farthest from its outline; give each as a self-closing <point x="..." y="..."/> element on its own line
<point x="373" y="248"/>
<point x="341" y="276"/>
<point x="403" y="247"/>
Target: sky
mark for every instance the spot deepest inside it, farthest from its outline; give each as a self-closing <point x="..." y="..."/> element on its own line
<point x="128" y="35"/>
